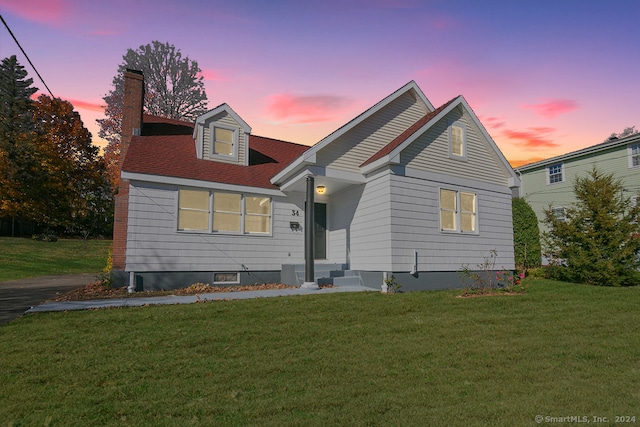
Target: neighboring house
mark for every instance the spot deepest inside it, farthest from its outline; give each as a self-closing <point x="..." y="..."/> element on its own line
<point x="404" y="188"/>
<point x="549" y="183"/>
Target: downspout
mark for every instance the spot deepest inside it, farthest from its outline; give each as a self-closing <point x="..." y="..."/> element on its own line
<point x="309" y="224"/>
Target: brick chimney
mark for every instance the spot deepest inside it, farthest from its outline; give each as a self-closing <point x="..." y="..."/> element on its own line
<point x="132" y="106"/>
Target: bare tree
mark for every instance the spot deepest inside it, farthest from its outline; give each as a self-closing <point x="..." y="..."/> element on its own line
<point x="174" y="89"/>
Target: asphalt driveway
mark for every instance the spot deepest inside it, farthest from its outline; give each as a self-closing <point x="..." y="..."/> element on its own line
<point x="17" y="296"/>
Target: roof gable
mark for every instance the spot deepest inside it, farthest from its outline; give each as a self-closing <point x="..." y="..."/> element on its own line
<point x="390" y="154"/>
<point x="310" y="156"/>
<point x="403" y="137"/>
<point x="219" y="109"/>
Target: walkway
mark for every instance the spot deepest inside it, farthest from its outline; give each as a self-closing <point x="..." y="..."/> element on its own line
<point x="29" y="296"/>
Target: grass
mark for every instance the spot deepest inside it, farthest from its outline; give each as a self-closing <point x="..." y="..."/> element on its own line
<point x="366" y="359"/>
<point x="21" y="258"/>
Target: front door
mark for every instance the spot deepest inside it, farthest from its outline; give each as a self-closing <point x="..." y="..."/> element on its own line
<point x="320" y="230"/>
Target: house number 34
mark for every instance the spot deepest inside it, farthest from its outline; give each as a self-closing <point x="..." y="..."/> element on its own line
<point x="295" y="212"/>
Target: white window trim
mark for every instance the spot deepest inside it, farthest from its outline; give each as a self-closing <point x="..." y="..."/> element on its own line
<point x="630" y="148"/>
<point x="458" y="213"/>
<point x="243" y="215"/>
<point x="463" y="128"/>
<point x="193" y="230"/>
<point x="212" y="133"/>
<point x="549" y="173"/>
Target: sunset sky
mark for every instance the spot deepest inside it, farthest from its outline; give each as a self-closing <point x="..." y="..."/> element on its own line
<point x="545" y="77"/>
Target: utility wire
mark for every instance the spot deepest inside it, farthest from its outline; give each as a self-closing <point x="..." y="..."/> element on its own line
<point x="26" y="56"/>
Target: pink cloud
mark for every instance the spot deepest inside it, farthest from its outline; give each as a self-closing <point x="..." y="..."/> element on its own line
<point x="77" y="103"/>
<point x="43" y="11"/>
<point x="533" y="138"/>
<point x="305" y="109"/>
<point x="493" y="122"/>
<point x="84" y="105"/>
<point x="216" y="75"/>
<point x="551" y="108"/>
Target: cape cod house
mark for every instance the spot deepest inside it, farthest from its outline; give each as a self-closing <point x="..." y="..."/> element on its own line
<point x="403" y="188"/>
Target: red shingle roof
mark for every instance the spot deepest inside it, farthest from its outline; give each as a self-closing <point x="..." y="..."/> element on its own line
<point x="148" y="118"/>
<point x="387" y="149"/>
<point x="175" y="156"/>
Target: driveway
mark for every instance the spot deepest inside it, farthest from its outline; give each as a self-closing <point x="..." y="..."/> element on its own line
<point x="17" y="296"/>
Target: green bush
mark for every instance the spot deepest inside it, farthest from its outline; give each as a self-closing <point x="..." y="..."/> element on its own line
<point x="526" y="235"/>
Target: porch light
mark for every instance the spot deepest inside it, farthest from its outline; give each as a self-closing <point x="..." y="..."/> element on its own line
<point x="320" y="189"/>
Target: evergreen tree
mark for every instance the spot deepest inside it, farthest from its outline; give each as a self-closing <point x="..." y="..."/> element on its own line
<point x="598" y="240"/>
<point x="526" y="235"/>
<point x="17" y="133"/>
<point x="50" y="173"/>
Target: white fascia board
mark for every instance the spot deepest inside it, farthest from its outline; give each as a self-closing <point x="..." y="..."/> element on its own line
<point x="350" y="177"/>
<point x="350" y="125"/>
<point x="293" y="181"/>
<point x="186" y="182"/>
<point x="318" y="171"/>
<point x="421" y="94"/>
<point x="394" y="156"/>
<point x="303" y="160"/>
<point x="492" y="143"/>
<point x="226" y="108"/>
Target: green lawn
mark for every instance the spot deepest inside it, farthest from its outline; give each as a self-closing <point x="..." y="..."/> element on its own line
<point x="21" y="258"/>
<point x="413" y="359"/>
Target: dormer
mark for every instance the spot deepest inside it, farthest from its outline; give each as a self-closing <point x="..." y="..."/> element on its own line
<point x="221" y="135"/>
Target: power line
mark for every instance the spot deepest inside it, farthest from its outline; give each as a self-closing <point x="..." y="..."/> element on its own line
<point x="26" y="56"/>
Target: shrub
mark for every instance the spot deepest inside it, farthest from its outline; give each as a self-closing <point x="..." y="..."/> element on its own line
<point x="526" y="235"/>
<point x="486" y="279"/>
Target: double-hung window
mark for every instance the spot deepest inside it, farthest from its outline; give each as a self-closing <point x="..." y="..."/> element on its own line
<point x="193" y="211"/>
<point x="224" y="142"/>
<point x="555" y="173"/>
<point x="458" y="211"/>
<point x="222" y="212"/>
<point x="257" y="214"/>
<point x="457" y="141"/>
<point x="634" y="155"/>
<point x="227" y="212"/>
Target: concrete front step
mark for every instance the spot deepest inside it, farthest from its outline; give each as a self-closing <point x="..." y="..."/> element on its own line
<point x="324" y="274"/>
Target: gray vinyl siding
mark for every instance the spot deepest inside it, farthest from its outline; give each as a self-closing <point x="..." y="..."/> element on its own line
<point x="430" y="152"/>
<point x="356" y="146"/>
<point x="541" y="195"/>
<point x="154" y="244"/>
<point x="370" y="231"/>
<point x="415" y="226"/>
<point x="341" y="210"/>
<point x="226" y="120"/>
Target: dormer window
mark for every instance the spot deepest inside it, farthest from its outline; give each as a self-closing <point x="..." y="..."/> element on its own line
<point x="224" y="141"/>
